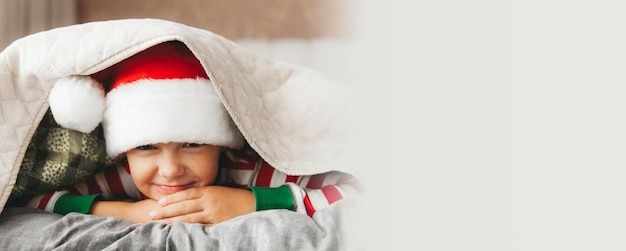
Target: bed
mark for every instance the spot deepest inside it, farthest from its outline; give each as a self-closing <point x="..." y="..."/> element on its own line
<point x="252" y="87"/>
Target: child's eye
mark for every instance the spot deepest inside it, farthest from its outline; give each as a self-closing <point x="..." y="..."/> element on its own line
<point x="193" y="145"/>
<point x="145" y="147"/>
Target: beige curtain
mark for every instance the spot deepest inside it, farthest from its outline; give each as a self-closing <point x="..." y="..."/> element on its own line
<point x="19" y="18"/>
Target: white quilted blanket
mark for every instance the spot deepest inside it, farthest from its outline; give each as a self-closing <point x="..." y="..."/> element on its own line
<point x="295" y="118"/>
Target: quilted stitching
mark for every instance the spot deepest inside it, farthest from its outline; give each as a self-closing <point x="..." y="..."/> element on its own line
<point x="16" y="119"/>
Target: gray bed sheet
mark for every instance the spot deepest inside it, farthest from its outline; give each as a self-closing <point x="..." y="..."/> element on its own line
<point x="334" y="228"/>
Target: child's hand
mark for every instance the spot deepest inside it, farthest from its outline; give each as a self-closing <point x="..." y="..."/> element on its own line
<point x="135" y="211"/>
<point x="207" y="205"/>
<point x="139" y="211"/>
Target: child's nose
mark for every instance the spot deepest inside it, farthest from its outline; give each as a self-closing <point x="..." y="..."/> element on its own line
<point x="170" y="167"/>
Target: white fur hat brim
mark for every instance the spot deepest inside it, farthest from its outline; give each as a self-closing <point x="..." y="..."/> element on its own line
<point x="149" y="111"/>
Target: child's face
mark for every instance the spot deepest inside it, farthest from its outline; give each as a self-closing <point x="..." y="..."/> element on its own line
<point x="166" y="168"/>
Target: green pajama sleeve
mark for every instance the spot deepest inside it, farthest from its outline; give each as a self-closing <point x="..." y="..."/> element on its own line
<point x="273" y="198"/>
<point x="68" y="203"/>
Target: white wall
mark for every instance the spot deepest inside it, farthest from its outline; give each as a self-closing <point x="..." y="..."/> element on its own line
<point x="507" y="124"/>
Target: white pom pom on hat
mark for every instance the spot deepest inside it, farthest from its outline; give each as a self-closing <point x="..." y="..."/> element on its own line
<point x="77" y="102"/>
<point x="159" y="95"/>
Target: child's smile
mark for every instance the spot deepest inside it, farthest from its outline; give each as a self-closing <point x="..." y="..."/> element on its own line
<point x="166" y="168"/>
<point x="170" y="189"/>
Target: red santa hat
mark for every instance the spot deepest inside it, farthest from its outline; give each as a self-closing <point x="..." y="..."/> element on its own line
<point x="159" y="95"/>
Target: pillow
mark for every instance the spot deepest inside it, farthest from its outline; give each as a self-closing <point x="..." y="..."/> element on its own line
<point x="58" y="157"/>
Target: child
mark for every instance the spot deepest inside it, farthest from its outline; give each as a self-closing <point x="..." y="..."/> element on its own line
<point x="183" y="157"/>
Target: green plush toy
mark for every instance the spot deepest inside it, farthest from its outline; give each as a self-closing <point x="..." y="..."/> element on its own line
<point x="58" y="157"/>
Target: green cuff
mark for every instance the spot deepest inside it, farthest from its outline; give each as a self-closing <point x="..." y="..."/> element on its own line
<point x="273" y="198"/>
<point x="68" y="203"/>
